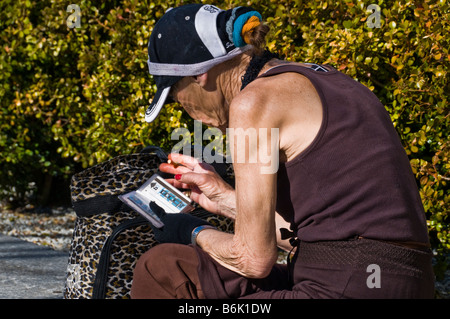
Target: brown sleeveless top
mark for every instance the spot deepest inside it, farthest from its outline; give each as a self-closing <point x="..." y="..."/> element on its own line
<point x="355" y="179"/>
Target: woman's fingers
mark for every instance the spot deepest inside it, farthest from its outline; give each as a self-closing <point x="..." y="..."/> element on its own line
<point x="193" y="179"/>
<point x="178" y="184"/>
<point x="183" y="160"/>
<point x="171" y="169"/>
<point x="181" y="164"/>
<point x="178" y="164"/>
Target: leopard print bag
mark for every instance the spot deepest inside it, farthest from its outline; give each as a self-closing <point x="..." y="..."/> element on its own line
<point x="109" y="237"/>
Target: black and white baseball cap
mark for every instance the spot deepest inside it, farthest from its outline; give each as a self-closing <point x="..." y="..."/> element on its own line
<point x="188" y="41"/>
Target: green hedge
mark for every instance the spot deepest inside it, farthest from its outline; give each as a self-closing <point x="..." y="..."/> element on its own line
<point x="73" y="97"/>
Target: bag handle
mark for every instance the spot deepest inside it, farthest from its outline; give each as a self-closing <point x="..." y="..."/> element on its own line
<point x="156" y="150"/>
<point x="99" y="205"/>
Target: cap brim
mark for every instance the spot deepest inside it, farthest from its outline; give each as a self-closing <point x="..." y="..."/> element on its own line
<point x="158" y="102"/>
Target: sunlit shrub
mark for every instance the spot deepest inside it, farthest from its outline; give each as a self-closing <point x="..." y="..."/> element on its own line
<point x="73" y="97"/>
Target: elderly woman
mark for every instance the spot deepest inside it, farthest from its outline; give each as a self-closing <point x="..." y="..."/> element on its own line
<point x="343" y="196"/>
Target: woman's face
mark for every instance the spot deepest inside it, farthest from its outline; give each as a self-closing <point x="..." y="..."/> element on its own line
<point x="202" y="103"/>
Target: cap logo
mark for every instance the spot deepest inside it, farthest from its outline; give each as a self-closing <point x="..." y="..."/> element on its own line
<point x="206" y="27"/>
<point x="211" y="9"/>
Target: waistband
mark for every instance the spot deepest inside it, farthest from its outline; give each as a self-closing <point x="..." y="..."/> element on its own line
<point x="361" y="252"/>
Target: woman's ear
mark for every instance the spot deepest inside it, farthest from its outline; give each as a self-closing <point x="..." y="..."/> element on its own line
<point x="201" y="79"/>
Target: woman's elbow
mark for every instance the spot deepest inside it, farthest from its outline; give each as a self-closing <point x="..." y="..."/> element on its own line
<point x="259" y="267"/>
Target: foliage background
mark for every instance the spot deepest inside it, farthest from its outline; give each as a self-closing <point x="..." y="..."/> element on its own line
<point x="73" y="97"/>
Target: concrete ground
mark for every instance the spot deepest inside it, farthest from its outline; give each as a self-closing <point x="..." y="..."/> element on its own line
<point x="29" y="271"/>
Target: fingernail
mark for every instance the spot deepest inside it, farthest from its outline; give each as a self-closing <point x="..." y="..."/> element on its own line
<point x="178" y="177"/>
<point x="174" y="164"/>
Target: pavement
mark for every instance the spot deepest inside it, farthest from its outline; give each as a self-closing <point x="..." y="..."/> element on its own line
<point x="29" y="271"/>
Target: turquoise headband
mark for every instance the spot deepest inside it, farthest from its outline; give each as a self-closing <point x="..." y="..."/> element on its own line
<point x="239" y="24"/>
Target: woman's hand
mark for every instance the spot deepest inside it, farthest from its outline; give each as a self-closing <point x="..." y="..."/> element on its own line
<point x="208" y="189"/>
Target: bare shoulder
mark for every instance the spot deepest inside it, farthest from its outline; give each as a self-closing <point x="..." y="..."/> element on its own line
<point x="272" y="98"/>
<point x="288" y="101"/>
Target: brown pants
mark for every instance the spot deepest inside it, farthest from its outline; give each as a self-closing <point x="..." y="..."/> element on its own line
<point x="167" y="271"/>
